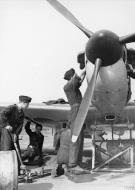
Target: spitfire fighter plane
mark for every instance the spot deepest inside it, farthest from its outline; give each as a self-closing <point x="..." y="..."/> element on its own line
<point x="106" y="100"/>
<point x="109" y="87"/>
<point x="105" y="104"/>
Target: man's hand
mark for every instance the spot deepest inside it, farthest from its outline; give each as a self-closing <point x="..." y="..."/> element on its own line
<point x="22" y="167"/>
<point x="8" y="127"/>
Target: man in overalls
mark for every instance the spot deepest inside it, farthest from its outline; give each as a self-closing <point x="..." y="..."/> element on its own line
<point x="74" y="96"/>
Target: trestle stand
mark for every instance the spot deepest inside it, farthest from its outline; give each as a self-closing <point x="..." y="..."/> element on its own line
<point x="116" y="156"/>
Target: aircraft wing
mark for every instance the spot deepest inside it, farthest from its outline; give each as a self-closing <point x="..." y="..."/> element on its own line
<point x="59" y="113"/>
<point x="52" y="113"/>
<point x="43" y="112"/>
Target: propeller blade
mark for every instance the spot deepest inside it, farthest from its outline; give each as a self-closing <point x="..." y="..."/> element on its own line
<point x="82" y="112"/>
<point x="127" y="39"/>
<point x="68" y="15"/>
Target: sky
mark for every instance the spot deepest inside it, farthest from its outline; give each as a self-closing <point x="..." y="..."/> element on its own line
<point x="37" y="44"/>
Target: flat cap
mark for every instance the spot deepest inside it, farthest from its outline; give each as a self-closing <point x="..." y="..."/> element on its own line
<point x="81" y="57"/>
<point x="25" y="99"/>
<point x="68" y="73"/>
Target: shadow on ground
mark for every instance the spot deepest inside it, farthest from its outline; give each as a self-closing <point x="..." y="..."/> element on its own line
<point x="41" y="186"/>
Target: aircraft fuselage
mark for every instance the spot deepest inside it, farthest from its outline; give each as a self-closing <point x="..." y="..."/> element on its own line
<point x="111" y="90"/>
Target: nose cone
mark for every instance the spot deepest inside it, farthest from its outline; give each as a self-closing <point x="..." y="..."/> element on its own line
<point x="105" y="45"/>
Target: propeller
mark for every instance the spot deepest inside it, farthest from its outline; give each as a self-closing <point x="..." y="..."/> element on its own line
<point x="68" y="15"/>
<point x="127" y="39"/>
<point x="82" y="112"/>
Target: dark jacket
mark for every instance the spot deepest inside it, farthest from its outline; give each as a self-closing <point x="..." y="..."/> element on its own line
<point x="12" y="116"/>
<point x="36" y="140"/>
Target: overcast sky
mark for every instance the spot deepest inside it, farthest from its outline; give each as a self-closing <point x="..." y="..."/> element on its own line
<point x="37" y="44"/>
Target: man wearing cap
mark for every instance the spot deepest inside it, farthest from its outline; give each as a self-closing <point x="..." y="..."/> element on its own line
<point x="129" y="59"/>
<point x="34" y="149"/>
<point x="74" y="96"/>
<point x="11" y="123"/>
<point x="81" y="59"/>
<point x="131" y="62"/>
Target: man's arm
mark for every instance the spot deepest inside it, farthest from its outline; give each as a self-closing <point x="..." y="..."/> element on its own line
<point x="27" y="128"/>
<point x="82" y="75"/>
<point x="131" y="74"/>
<point x="5" y="114"/>
<point x="131" y="71"/>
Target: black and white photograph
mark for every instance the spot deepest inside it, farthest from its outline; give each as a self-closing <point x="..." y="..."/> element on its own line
<point x="67" y="99"/>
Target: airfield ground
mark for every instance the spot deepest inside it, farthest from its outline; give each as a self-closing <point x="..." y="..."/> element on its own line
<point x="106" y="179"/>
<point x="99" y="181"/>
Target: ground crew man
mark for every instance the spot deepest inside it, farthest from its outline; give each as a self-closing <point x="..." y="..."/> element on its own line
<point x="131" y="63"/>
<point x="34" y="149"/>
<point x="11" y="123"/>
<point x="56" y="139"/>
<point x="129" y="59"/>
<point x="63" y="151"/>
<point x="74" y="96"/>
<point x="81" y="60"/>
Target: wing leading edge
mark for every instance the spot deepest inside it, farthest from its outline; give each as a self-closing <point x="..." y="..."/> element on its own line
<point x="61" y="113"/>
